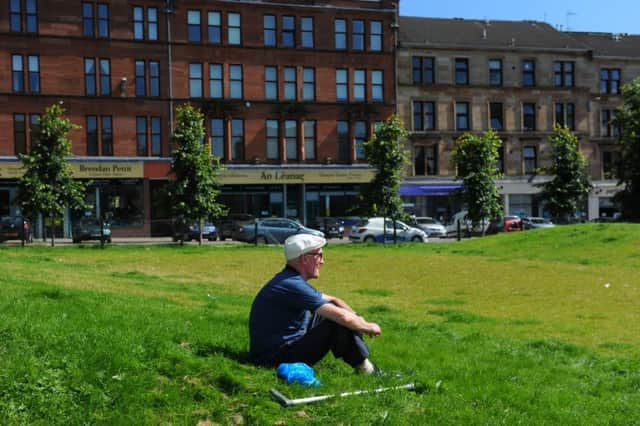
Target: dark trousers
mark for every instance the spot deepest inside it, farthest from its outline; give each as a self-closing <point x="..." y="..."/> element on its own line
<point x="324" y="336"/>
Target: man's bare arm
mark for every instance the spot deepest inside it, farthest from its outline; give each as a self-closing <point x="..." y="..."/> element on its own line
<point x="349" y="319"/>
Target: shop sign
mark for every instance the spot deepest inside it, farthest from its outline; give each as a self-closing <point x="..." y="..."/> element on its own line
<point x="107" y="170"/>
<point x="11" y="170"/>
<point x="294" y="176"/>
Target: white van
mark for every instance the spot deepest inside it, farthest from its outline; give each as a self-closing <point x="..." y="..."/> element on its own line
<point x="466" y="227"/>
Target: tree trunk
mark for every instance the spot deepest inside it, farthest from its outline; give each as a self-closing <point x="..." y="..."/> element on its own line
<point x="200" y="225"/>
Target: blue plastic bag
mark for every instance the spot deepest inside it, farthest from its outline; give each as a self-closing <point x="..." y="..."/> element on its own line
<point x="297" y="372"/>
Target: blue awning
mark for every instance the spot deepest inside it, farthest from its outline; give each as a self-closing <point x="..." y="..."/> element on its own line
<point x="426" y="190"/>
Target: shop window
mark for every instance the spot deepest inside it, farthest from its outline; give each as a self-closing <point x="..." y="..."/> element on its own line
<point x="528" y="73"/>
<point x="271" y="83"/>
<point x="375" y="36"/>
<point x="125" y="201"/>
<point x="214" y="27"/>
<point x="145" y="27"/>
<point x="342" y="130"/>
<point x="310" y="139"/>
<point x="306" y="32"/>
<point x="291" y="139"/>
<point x="340" y="34"/>
<point x="233" y="29"/>
<point x="237" y="139"/>
<point x="273" y="139"/>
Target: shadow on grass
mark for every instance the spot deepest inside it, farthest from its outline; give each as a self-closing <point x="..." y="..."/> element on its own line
<point x="209" y="349"/>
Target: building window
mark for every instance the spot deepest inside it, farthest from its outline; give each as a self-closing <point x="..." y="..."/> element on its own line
<point x="290" y="83"/>
<point x="310" y="139"/>
<point x="195" y="80"/>
<point x="610" y="81"/>
<point x="19" y="134"/>
<point x="360" y="135"/>
<point x="18" y="75"/>
<point x="563" y="74"/>
<point x="90" y="77"/>
<point x="495" y="72"/>
<point x="288" y="31"/>
<point x="529" y="117"/>
<point x="530" y="158"/>
<point x="237" y="139"/>
<point x="91" y="126"/>
<point x="609" y="160"/>
<point x="528" y="73"/>
<point x="233" y="30"/>
<point x="426" y="160"/>
<point x="462" y="116"/>
<point x="28" y="14"/>
<point x="462" y="71"/>
<point x="377" y="86"/>
<point x="139" y="23"/>
<point x="105" y="77"/>
<point x="291" y="139"/>
<point x="217" y="137"/>
<point x="269" y="30"/>
<point x="375" y="36"/>
<point x="357" y="34"/>
<point x="235" y="81"/>
<point x="496" y="120"/>
<point x="565" y="115"/>
<point x="271" y="83"/>
<point x="93" y="25"/>
<point x="141" y="79"/>
<point x="273" y="139"/>
<point x="106" y="135"/>
<point x="156" y="137"/>
<point x="424" y="116"/>
<point x="141" y="137"/>
<point x="607" y="129"/>
<point x="308" y="84"/>
<point x="342" y="130"/>
<point x="359" y="85"/>
<point x="423" y="71"/>
<point x="340" y="34"/>
<point x="34" y="129"/>
<point x="342" y="85"/>
<point x="216" y="83"/>
<point x="154" y="79"/>
<point x="214" y="27"/>
<point x="193" y="26"/>
<point x="499" y="164"/>
<point x="306" y="32"/>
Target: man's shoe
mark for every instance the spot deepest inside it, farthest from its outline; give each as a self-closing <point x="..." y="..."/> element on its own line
<point x="367" y="367"/>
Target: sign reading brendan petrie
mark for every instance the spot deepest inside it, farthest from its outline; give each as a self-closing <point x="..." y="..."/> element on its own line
<point x="14" y="170"/>
<point x="294" y="176"/>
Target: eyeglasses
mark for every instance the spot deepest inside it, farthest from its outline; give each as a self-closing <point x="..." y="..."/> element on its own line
<point x="320" y="255"/>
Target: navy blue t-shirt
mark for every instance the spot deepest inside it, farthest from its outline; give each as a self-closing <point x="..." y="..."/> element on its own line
<point x="280" y="314"/>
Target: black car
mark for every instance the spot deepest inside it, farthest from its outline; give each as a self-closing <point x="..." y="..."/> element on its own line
<point x="192" y="232"/>
<point x="91" y="229"/>
<point x="227" y="225"/>
<point x="13" y="228"/>
<point x="332" y="227"/>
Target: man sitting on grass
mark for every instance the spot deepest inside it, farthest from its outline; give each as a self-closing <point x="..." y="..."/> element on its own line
<point x="291" y="321"/>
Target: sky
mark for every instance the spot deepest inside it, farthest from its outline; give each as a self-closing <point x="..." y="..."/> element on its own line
<point x="610" y="16"/>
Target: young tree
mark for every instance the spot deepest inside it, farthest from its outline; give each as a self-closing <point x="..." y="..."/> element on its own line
<point x="474" y="157"/>
<point x="570" y="183"/>
<point x="195" y="188"/>
<point x="48" y="186"/>
<point x="384" y="152"/>
<point x="628" y="167"/>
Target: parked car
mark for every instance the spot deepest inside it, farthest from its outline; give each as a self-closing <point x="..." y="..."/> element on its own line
<point x="466" y="226"/>
<point x="273" y="230"/>
<point x="13" y="227"/>
<point x="536" y="222"/>
<point x="431" y="226"/>
<point x="332" y="227"/>
<point x="89" y="228"/>
<point x="227" y="225"/>
<point x="192" y="232"/>
<point x="373" y="230"/>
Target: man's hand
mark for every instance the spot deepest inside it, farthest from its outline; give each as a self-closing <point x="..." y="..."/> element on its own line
<point x="347" y="318"/>
<point x="373" y="330"/>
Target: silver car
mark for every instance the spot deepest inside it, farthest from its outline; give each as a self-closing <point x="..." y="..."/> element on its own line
<point x="431" y="226"/>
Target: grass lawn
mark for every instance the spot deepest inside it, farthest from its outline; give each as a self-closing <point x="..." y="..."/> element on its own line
<point x="539" y="327"/>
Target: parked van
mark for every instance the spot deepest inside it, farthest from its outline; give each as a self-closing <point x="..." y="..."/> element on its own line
<point x="466" y="227"/>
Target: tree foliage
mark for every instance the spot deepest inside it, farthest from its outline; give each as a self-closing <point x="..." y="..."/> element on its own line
<point x="628" y="167"/>
<point x="474" y="157"/>
<point x="570" y="183"/>
<point x="194" y="191"/>
<point x="385" y="152"/>
<point x="48" y="186"/>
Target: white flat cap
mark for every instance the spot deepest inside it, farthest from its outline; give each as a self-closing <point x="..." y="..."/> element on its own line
<point x="299" y="244"/>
